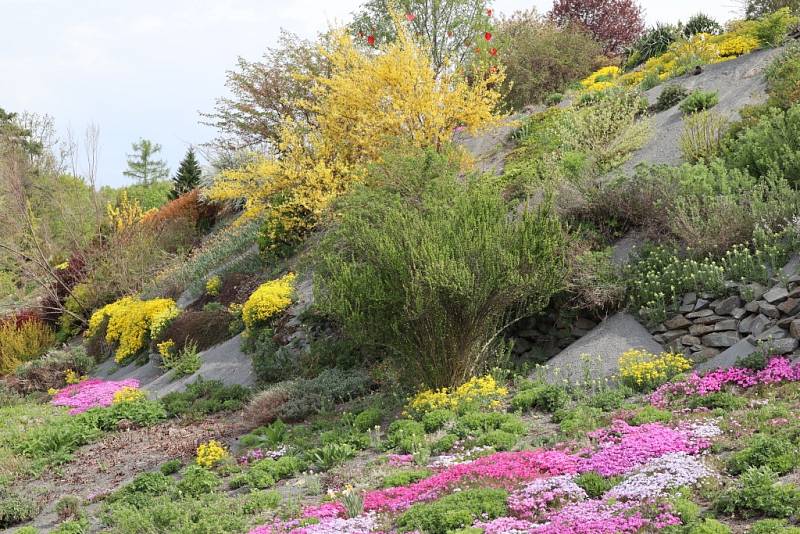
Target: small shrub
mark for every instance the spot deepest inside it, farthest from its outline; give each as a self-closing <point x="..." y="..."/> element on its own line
<point x="454" y="511"/>
<point x="699" y="100"/>
<point x="137" y="413"/>
<point x="757" y="492"/>
<point x="444" y="444"/>
<point x="435" y="420"/>
<point x="261" y="501"/>
<point x="204" y="397"/>
<point x="783" y="78"/>
<point x="723" y="400"/>
<point x="578" y="420"/>
<point x="404" y="478"/>
<point x="771" y="29"/>
<point x="650" y="414"/>
<point x="553" y="99"/>
<point x="198" y="481"/>
<point x="205" y="328"/>
<point x="213" y="286"/>
<point x="709" y="526"/>
<point x="545" y="397"/>
<point x="368" y="419"/>
<point x="654" y="42"/>
<point x="267" y="301"/>
<point x="477" y="393"/>
<point x="22" y="342"/>
<point x="170" y="467"/>
<point x="610" y="399"/>
<point x="499" y="440"/>
<point x="780" y="455"/>
<point x="137" y="492"/>
<point x="701" y="23"/>
<point x="670" y="96"/>
<point x="330" y="387"/>
<point x="405" y="435"/>
<point x="478" y="423"/>
<point x="15" y="509"/>
<point x="773" y="526"/>
<point x="594" y="484"/>
<point x="702" y="136"/>
<point x="271" y="362"/>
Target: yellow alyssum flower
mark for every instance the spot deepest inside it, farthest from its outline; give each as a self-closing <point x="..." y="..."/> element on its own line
<point x="72" y="377"/>
<point x="213" y="286"/>
<point x="211" y="453"/>
<point x="483" y="391"/>
<point x="643" y="370"/>
<point x="128" y="394"/>
<point x="268" y="300"/>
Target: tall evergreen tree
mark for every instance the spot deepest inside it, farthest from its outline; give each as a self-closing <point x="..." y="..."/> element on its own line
<point x="142" y="165"/>
<point x="188" y="176"/>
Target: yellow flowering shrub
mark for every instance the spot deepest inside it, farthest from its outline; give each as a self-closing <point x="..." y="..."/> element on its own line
<point x="72" y="377"/>
<point x="601" y="79"/>
<point x="477" y="392"/>
<point x="125" y="214"/>
<point x="268" y="300"/>
<point x="131" y="323"/>
<point x="737" y="45"/>
<point x="365" y="102"/>
<point x="642" y="370"/>
<point x="211" y="453"/>
<point x="165" y="348"/>
<point x="128" y="394"/>
<point x="213" y="286"/>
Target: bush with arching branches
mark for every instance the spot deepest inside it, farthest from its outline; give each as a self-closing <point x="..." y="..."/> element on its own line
<point x="431" y="269"/>
<point x="615" y="23"/>
<point x="542" y="58"/>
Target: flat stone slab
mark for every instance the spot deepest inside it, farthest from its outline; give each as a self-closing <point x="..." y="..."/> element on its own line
<point x="603" y="345"/>
<point x="729" y="356"/>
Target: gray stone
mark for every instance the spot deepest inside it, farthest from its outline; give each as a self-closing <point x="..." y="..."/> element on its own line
<point x="792" y="266"/>
<point x="727" y="324"/>
<point x="789" y="306"/>
<point x="729" y="356"/>
<point x="657" y="329"/>
<point x="738" y="313"/>
<point x="686" y="308"/>
<point x="752" y="291"/>
<point x="752" y="306"/>
<point x="711" y="319"/>
<point x="584" y="324"/>
<point x="690" y="340"/>
<point x="604" y="343"/>
<point x="704" y="354"/>
<point x="699" y="314"/>
<point x="783" y="346"/>
<point x="720" y="339"/>
<point x="771" y="333"/>
<point x="760" y="323"/>
<point x="689" y="298"/>
<point x="746" y="324"/>
<point x="769" y="310"/>
<point x="726" y="306"/>
<point x="700" y="329"/>
<point x="677" y="322"/>
<point x="794" y="329"/>
<point x="776" y="294"/>
<point x="673" y="334"/>
<point x="701" y="304"/>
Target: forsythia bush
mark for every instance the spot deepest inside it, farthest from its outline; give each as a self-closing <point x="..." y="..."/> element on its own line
<point x="364" y="103"/>
<point x="128" y="394"/>
<point x="268" y="300"/>
<point x="22" y="342"/>
<point x="131" y="322"/>
<point x="483" y="391"/>
<point x="211" y="453"/>
<point x="643" y="371"/>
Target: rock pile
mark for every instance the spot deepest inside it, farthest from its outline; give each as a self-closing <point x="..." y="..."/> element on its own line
<point x="706" y="326"/>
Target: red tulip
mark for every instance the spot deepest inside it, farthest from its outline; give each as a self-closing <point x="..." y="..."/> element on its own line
<point x="492" y="51"/>
<point x="487" y="36"/>
<point x="371" y="40"/>
<point x="410" y="17"/>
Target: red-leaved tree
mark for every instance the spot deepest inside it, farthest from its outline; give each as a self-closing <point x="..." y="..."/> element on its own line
<point x="615" y="23"/>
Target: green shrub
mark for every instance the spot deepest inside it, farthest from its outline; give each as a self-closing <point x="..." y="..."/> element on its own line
<point x="330" y="455"/>
<point x="204" y="397"/>
<point x="405" y="435"/>
<point x="701" y="23"/>
<point x="702" y="136"/>
<point x="15" y="509"/>
<point x="271" y="362"/>
<point x="183" y="362"/>
<point x="553" y="99"/>
<point x="755" y="9"/>
<point x="780" y="455"/>
<point x="330" y="387"/>
<point x="545" y="397"/>
<point x="205" y="514"/>
<point x="435" y="420"/>
<point x="756" y="361"/>
<point x="48" y="371"/>
<point x="699" y="100"/>
<point x="444" y="444"/>
<point x="138" y="413"/>
<point x="650" y="414"/>
<point x="170" y="467"/>
<point x="73" y="526"/>
<point x="757" y="492"/>
<point x="578" y="420"/>
<point x="771" y="29"/>
<point x="610" y="399"/>
<point x="540" y="57"/>
<point x="723" y="400"/>
<point x="771" y="147"/>
<point x="499" y="440"/>
<point x="140" y="489"/>
<point x="709" y="526"/>
<point x="670" y="95"/>
<point x="54" y="443"/>
<point x="594" y="484"/>
<point x="654" y="42"/>
<point x="454" y="511"/>
<point x="773" y="526"/>
<point x="477" y="423"/>
<point x="432" y="281"/>
<point x="261" y="501"/>
<point x="368" y="419"/>
<point x="404" y="478"/>
<point x="783" y="78"/>
<point x="198" y="481"/>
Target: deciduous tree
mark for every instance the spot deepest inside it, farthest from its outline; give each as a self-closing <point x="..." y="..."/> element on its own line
<point x="615" y="23"/>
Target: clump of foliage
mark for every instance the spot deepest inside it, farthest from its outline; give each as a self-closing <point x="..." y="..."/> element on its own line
<point x="757" y="492"/>
<point x="15" y="509"/>
<point x="699" y="100"/>
<point x="50" y="371"/>
<point x="783" y="78"/>
<point x="545" y="397"/>
<point x="652" y="43"/>
<point x="305" y="397"/>
<point x="594" y="484"/>
<point x="454" y="511"/>
<point x="405" y="477"/>
<point x="779" y="454"/>
<point x="204" y="328"/>
<point x="701" y="23"/>
<point x="198" y="481"/>
<point x="702" y="136"/>
<point x="204" y="397"/>
<point x="615" y="23"/>
<point x="670" y="96"/>
<point x="643" y="371"/>
<point x="479" y="392"/>
<point x="541" y="58"/>
<point x="22" y="341"/>
<point x="268" y="300"/>
<point x="130" y="322"/>
<point x="271" y="361"/>
<point x="389" y="255"/>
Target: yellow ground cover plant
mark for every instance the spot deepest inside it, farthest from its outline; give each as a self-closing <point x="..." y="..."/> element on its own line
<point x="643" y="371"/>
<point x="477" y="392"/>
<point x="211" y="453"/>
<point x="267" y="301"/>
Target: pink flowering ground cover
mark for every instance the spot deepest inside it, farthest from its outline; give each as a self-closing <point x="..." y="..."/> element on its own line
<point x="89" y="394"/>
<point x="778" y="370"/>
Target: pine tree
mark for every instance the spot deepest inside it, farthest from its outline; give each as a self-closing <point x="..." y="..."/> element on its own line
<point x="187" y="177"/>
<point x="142" y="166"/>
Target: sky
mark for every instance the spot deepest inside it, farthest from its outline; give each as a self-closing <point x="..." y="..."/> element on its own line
<point x="146" y="68"/>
